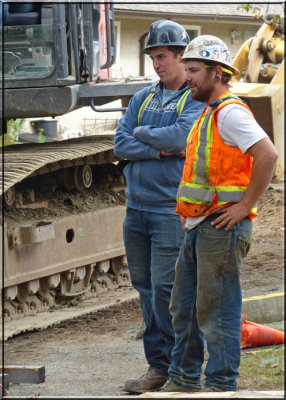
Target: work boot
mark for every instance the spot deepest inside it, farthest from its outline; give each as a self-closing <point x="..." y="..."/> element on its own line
<point x="174" y="387"/>
<point x="151" y="381"/>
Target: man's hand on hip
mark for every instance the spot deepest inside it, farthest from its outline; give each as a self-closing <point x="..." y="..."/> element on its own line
<point x="230" y="216"/>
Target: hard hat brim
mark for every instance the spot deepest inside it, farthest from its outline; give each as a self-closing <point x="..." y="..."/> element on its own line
<point x="203" y="60"/>
<point x="148" y="48"/>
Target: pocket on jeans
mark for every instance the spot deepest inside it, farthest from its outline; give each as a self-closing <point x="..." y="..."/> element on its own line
<point x="243" y="246"/>
<point x="214" y="240"/>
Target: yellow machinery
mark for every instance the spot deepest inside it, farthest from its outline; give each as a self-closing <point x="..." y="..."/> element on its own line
<point x="260" y="61"/>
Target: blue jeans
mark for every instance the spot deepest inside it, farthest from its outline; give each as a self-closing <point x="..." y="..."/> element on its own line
<point x="152" y="242"/>
<point x="206" y="304"/>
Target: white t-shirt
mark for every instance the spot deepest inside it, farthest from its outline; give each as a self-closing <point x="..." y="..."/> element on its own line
<point x="237" y="128"/>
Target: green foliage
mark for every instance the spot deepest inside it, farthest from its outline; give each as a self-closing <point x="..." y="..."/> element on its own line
<point x="262" y="369"/>
<point x="245" y="7"/>
<point x="14" y="129"/>
<point x="275" y="20"/>
<point x="41" y="138"/>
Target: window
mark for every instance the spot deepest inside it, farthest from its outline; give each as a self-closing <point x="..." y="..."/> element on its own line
<point x="249" y="33"/>
<point x="116" y="65"/>
<point x="28" y="51"/>
<point x="193" y="30"/>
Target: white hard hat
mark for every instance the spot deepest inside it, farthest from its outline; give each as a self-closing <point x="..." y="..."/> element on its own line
<point x="209" y="48"/>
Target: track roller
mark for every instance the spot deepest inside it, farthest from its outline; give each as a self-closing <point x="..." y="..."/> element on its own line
<point x="83" y="177"/>
<point x="75" y="281"/>
<point x="117" y="264"/>
<point x="47" y="283"/>
<point x="24" y="290"/>
<point x="69" y="182"/>
<point x="77" y="178"/>
<point x="10" y="293"/>
<point x="10" y="196"/>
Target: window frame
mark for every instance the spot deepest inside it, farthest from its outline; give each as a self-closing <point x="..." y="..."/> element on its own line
<point x="117" y="26"/>
<point x="193" y="28"/>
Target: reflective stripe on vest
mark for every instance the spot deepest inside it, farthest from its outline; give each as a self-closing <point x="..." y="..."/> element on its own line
<point x="182" y="101"/>
<point x="199" y="192"/>
<point x="200" y="195"/>
<point x="201" y="167"/>
<point x="145" y="104"/>
<point x="180" y="105"/>
<point x="192" y="192"/>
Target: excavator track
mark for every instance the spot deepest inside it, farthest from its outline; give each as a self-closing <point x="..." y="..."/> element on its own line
<point x="54" y="258"/>
<point x="26" y="160"/>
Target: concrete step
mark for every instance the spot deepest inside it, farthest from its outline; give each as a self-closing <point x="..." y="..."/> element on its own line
<point x="264" y="309"/>
<point x="243" y="394"/>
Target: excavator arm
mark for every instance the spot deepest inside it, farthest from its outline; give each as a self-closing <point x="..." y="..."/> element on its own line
<point x="260" y="83"/>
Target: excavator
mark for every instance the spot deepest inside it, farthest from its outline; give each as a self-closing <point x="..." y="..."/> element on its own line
<point x="56" y="58"/>
<point x="260" y="83"/>
<point x="53" y="60"/>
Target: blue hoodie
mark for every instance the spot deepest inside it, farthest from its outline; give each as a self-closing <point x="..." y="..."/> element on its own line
<point x="152" y="180"/>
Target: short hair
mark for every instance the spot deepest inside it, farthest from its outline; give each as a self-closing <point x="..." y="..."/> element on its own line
<point x="176" y="49"/>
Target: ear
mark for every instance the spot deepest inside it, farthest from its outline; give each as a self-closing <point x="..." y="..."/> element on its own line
<point x="179" y="56"/>
<point x="217" y="71"/>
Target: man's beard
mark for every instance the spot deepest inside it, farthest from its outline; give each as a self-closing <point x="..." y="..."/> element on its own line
<point x="202" y="95"/>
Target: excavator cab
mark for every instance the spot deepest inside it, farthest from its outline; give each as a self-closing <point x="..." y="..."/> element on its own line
<point x="29" y="51"/>
<point x="49" y="49"/>
<point x="54" y="43"/>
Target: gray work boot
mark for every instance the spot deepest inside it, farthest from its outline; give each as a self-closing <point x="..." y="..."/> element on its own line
<point x="153" y="380"/>
<point x="174" y="387"/>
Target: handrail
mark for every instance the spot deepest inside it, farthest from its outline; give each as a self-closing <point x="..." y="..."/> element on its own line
<point x="110" y="35"/>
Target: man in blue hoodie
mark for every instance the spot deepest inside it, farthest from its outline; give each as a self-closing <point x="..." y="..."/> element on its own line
<point x="152" y="137"/>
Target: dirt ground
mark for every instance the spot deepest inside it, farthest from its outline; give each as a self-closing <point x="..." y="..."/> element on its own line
<point x="94" y="354"/>
<point x="263" y="269"/>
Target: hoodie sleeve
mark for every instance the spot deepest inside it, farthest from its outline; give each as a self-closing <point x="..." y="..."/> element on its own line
<point x="172" y="138"/>
<point x="125" y="144"/>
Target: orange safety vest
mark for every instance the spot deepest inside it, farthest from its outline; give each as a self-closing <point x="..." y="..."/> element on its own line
<point x="215" y="175"/>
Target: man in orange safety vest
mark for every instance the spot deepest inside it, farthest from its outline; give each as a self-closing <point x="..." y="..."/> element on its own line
<point x="229" y="163"/>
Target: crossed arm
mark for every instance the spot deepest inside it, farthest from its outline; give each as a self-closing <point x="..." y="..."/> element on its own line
<point x="145" y="142"/>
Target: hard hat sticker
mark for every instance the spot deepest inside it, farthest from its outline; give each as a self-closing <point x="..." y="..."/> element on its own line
<point x="213" y="47"/>
<point x="205" y="53"/>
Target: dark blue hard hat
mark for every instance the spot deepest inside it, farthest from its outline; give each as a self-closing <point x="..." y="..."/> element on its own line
<point x="166" y="33"/>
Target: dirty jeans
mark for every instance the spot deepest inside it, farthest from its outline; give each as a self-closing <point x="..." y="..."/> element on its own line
<point x="206" y="304"/>
<point x="152" y="242"/>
